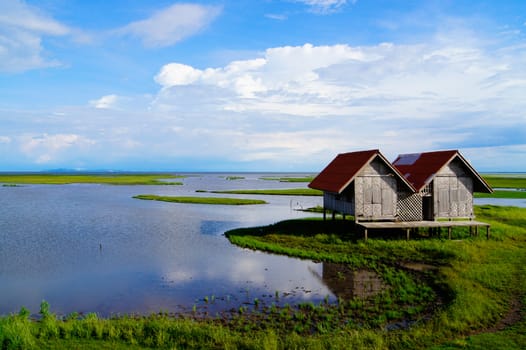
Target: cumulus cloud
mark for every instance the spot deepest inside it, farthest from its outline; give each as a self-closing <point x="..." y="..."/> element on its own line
<point x="306" y="101"/>
<point x="22" y="28"/>
<point x="172" y="24"/>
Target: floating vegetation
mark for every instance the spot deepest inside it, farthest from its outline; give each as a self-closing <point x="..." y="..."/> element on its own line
<point x="234" y="178"/>
<point x="288" y="178"/>
<point x="201" y="200"/>
<point x="109" y="179"/>
<point x="277" y="192"/>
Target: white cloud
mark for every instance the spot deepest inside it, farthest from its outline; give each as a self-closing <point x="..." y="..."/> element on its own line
<point x="174" y="74"/>
<point x="298" y="104"/>
<point x="5" y="139"/>
<point x="325" y="6"/>
<point x="46" y="148"/>
<point x="171" y="25"/>
<point x="22" y="28"/>
<point x="278" y="17"/>
<point x="105" y="102"/>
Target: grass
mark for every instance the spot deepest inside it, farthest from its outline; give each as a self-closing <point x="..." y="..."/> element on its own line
<point x="231" y="178"/>
<point x="288" y="178"/>
<point x="506" y="180"/>
<point x="278" y="192"/>
<point x="458" y="304"/>
<point x="200" y="200"/>
<point x="114" y="179"/>
<point x="503" y="194"/>
<point x="478" y="278"/>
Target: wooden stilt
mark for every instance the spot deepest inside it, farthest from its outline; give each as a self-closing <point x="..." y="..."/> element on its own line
<point x="407" y="232"/>
<point x="365" y="234"/>
<point x="333" y="215"/>
<point x="324" y="214"/>
<point x="449" y="232"/>
<point x="487" y="232"/>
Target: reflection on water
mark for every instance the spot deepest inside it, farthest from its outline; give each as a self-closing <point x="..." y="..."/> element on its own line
<point x="348" y="283"/>
<point x="93" y="248"/>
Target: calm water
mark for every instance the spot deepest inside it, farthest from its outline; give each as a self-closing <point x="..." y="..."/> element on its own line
<point x="93" y="248"/>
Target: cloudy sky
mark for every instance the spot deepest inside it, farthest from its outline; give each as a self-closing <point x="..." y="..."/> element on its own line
<point x="259" y="85"/>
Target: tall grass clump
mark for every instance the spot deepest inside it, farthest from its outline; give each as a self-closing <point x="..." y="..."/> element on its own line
<point x="16" y="331"/>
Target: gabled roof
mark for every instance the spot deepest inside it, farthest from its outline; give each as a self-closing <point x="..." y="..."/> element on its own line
<point x="343" y="169"/>
<point x="421" y="168"/>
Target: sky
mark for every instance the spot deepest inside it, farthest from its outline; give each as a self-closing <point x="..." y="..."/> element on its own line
<point x="259" y="85"/>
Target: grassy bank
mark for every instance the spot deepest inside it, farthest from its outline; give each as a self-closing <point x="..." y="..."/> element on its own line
<point x="114" y="179"/>
<point x="288" y="178"/>
<point x="277" y="192"/>
<point x="503" y="194"/>
<point x="482" y="279"/>
<point x="200" y="200"/>
<point x="506" y="180"/>
<point x="458" y="301"/>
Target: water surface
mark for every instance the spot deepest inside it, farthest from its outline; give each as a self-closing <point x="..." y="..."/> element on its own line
<point x="93" y="248"/>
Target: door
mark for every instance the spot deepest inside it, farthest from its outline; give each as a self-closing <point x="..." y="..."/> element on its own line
<point x="427" y="208"/>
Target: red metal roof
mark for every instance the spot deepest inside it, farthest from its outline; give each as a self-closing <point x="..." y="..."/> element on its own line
<point x="421" y="168"/>
<point x="341" y="171"/>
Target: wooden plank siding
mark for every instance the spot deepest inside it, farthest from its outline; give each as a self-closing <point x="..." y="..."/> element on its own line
<point x="453" y="192"/>
<point x="376" y="193"/>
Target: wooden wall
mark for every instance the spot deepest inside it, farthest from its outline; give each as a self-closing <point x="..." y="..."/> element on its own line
<point x="453" y="192"/>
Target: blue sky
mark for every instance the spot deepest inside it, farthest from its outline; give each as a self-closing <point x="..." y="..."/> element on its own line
<point x="259" y="85"/>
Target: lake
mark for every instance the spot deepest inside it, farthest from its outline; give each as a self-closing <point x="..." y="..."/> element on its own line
<point x="93" y="248"/>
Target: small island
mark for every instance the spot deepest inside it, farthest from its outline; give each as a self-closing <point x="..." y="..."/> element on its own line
<point x="200" y="200"/>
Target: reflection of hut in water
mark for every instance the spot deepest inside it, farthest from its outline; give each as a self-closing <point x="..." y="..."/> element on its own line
<point x="348" y="283"/>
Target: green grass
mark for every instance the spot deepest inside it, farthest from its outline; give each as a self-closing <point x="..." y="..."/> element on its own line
<point x="288" y="179"/>
<point x="472" y="286"/>
<point x="277" y="192"/>
<point x="200" y="200"/>
<point x="234" y="178"/>
<point x="506" y="180"/>
<point x="503" y="194"/>
<point x="114" y="179"/>
<point x="478" y="277"/>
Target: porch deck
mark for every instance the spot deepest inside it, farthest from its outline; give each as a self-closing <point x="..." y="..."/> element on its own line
<point x="410" y="225"/>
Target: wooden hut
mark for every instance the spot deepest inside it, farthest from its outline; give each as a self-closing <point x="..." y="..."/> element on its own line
<point x="444" y="182"/>
<point x="363" y="184"/>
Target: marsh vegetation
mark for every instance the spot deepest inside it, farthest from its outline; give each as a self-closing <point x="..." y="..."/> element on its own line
<point x="200" y="200"/>
<point x="460" y="296"/>
<point x="109" y="179"/>
<point x="274" y="192"/>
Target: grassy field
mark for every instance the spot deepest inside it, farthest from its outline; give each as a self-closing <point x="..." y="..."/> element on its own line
<point x="277" y="192"/>
<point x="472" y="297"/>
<point x="113" y="179"/>
<point x="506" y="180"/>
<point x="503" y="194"/>
<point x="288" y="178"/>
<point x="200" y="200"/>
